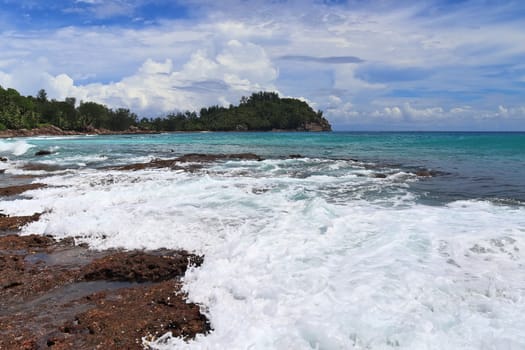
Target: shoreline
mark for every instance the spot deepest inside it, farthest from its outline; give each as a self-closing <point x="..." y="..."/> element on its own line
<point x="55" y="131"/>
<point x="62" y="295"/>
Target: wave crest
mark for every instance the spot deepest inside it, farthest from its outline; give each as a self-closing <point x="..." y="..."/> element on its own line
<point x="16" y="148"/>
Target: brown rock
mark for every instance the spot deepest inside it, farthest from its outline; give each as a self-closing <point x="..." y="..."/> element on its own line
<point x="424" y="173"/>
<point x="139" y="267"/>
<point x="15" y="190"/>
<point x="15" y="242"/>
<point x="47" y="302"/>
<point x="121" y="318"/>
<point x="198" y="158"/>
<point x="13" y="223"/>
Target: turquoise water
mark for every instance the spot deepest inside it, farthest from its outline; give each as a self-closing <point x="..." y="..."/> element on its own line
<point x="470" y="165"/>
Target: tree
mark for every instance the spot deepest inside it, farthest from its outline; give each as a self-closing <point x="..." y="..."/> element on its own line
<point x="71" y="101"/>
<point x="121" y="119"/>
<point x="91" y="114"/>
<point x="42" y="95"/>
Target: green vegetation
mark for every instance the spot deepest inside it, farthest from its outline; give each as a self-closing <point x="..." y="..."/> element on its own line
<point x="261" y="111"/>
<point x="17" y="112"/>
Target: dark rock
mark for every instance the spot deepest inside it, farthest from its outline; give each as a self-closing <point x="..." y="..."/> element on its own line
<point x="41" y="167"/>
<point x="45" y="304"/>
<point x="426" y="173"/>
<point x="3" y="159"/>
<point x="139" y="267"/>
<point x="379" y="176"/>
<point x="15" y="190"/>
<point x="204" y="158"/>
<point x="119" y="320"/>
<point x="197" y="158"/>
<point x="13" y="223"/>
<point x="43" y="153"/>
<point x="295" y="156"/>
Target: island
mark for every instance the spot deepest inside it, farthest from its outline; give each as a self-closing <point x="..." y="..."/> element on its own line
<point x="262" y="111"/>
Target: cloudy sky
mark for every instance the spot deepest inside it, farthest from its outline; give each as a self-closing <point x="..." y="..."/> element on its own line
<point x="369" y="65"/>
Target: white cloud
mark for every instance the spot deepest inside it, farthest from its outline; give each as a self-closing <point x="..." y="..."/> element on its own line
<point x="394" y="113"/>
<point x="510" y="112"/>
<point x="5" y="80"/>
<point x="159" y="87"/>
<point x="423" y="114"/>
<point x="408" y="113"/>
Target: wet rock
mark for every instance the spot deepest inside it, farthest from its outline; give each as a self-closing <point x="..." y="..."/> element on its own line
<point x="15" y="190"/>
<point x="197" y="159"/>
<point x="204" y="158"/>
<point x="13" y="223"/>
<point x="3" y="159"/>
<point x="25" y="243"/>
<point x="139" y="267"/>
<point x="120" y="319"/>
<point x="423" y="173"/>
<point x="57" y="305"/>
<point x="430" y="173"/>
<point x="142" y="166"/>
<point x="43" y="153"/>
<point x="379" y="176"/>
<point x="295" y="156"/>
<point x="41" y="167"/>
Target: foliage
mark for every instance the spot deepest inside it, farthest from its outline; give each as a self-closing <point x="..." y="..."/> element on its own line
<point x="261" y="111"/>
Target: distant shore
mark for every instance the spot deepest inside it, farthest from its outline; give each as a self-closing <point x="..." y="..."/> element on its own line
<point x="51" y="130"/>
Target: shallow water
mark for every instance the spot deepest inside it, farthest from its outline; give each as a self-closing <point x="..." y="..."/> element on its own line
<point x="317" y="252"/>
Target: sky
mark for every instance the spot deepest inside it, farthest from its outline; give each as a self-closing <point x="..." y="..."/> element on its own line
<point x="368" y="65"/>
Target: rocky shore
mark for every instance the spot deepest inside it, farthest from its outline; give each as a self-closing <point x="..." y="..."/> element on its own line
<point x="51" y="130"/>
<point x="58" y="295"/>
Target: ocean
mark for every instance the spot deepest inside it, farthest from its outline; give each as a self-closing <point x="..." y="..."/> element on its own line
<point x="342" y="240"/>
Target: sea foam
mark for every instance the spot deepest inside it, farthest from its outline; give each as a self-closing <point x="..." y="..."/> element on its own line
<point x="16" y="148"/>
<point x="309" y="254"/>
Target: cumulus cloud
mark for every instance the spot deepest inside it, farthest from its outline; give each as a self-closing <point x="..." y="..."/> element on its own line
<point x="158" y="86"/>
<point x="408" y="112"/>
<point x="436" y="115"/>
<point x="512" y="112"/>
<point x="423" y="114"/>
<point x="391" y="113"/>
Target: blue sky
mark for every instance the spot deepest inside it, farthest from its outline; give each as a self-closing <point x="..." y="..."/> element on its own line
<point x="369" y="65"/>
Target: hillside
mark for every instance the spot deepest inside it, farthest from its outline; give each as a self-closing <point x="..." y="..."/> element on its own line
<point x="262" y="111"/>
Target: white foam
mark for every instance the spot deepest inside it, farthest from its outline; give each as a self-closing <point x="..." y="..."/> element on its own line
<point x="287" y="267"/>
<point x="16" y="148"/>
